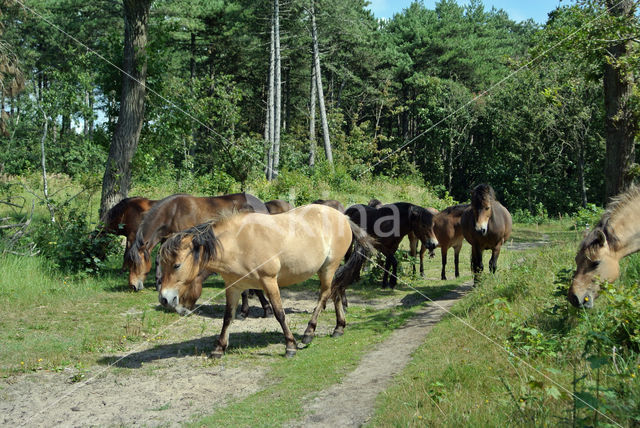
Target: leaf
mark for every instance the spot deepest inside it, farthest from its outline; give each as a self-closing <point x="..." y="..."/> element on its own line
<point x="597" y="361"/>
<point x="585" y="399"/>
<point x="553" y="392"/>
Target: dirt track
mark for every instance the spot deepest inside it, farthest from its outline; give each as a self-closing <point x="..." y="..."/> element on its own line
<point x="169" y="384"/>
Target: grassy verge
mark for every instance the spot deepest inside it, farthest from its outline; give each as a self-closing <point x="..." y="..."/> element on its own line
<point x="515" y="353"/>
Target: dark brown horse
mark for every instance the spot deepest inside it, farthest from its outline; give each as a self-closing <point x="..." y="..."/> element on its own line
<point x="486" y="225"/>
<point x="388" y="224"/>
<point x="448" y="230"/>
<point x="179" y="212"/>
<point x="598" y="259"/>
<point x="330" y="203"/>
<point x="278" y="206"/>
<point x="125" y="218"/>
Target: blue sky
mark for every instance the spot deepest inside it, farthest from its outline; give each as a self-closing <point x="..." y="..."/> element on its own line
<point x="517" y="10"/>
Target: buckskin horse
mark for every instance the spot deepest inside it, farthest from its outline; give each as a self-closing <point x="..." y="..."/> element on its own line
<point x="179" y="212"/>
<point x="253" y="251"/>
<point x="388" y="224"/>
<point x="616" y="236"/>
<point x="448" y="230"/>
<point x="486" y="225"/>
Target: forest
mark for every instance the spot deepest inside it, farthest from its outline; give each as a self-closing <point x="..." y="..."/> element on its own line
<point x="448" y="97"/>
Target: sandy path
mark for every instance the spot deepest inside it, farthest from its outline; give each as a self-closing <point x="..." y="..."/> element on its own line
<point x="351" y="403"/>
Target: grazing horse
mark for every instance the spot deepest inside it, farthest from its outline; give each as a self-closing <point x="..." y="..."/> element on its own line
<point x="388" y="224"/>
<point x="448" y="231"/>
<point x="486" y="225"/>
<point x="330" y="203"/>
<point x="616" y="236"/>
<point x="252" y="251"/>
<point x="178" y="212"/>
<point x="278" y="206"/>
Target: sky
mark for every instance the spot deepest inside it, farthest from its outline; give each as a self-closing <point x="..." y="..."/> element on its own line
<point x="518" y="10"/>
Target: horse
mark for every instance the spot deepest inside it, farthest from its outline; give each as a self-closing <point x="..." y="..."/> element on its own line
<point x="253" y="251"/>
<point x="125" y="218"/>
<point x="330" y="203"/>
<point x="375" y="203"/>
<point x="178" y="212"/>
<point x="616" y="236"/>
<point x="388" y="224"/>
<point x="278" y="206"/>
<point x="448" y="231"/>
<point x="486" y="225"/>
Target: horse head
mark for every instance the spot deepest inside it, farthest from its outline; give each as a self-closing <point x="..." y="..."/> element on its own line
<point x="482" y="197"/>
<point x="183" y="259"/>
<point x="421" y="220"/>
<point x="596" y="261"/>
<point x="138" y="260"/>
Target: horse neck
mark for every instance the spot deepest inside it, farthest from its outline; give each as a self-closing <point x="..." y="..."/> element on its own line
<point x="626" y="226"/>
<point x="150" y="228"/>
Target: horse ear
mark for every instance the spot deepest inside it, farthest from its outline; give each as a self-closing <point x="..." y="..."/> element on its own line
<point x="601" y="238"/>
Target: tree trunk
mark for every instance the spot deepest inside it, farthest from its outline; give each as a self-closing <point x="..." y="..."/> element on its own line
<point x="117" y="176"/>
<point x="312" y="117"/>
<point x="270" y="127"/>
<point x="278" y="90"/>
<point x="323" y="112"/>
<point x="620" y="123"/>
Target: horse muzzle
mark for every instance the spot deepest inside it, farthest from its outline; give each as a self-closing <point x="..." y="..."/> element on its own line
<point x="482" y="229"/>
<point x="137" y="286"/>
<point x="582" y="301"/>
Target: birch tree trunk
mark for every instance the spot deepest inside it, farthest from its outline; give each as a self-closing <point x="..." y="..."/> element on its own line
<point x="278" y="91"/>
<point x="312" y="117"/>
<point x="117" y="175"/>
<point x="270" y="125"/>
<point x="323" y="112"/>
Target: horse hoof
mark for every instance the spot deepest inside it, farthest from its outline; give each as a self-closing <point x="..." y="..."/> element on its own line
<point x="307" y="338"/>
<point x="337" y="333"/>
<point x="267" y="314"/>
<point x="216" y="354"/>
<point x="290" y="353"/>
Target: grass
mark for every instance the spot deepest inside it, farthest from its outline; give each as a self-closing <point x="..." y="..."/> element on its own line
<point x="511" y="353"/>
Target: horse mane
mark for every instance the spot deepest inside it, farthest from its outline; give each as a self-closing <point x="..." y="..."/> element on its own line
<point x="453" y="208"/>
<point x="206" y="246"/>
<point x="374" y="203"/>
<point x="481" y="192"/>
<point x="591" y="243"/>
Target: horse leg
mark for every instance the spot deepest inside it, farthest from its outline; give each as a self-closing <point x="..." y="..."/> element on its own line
<point x="443" y="275"/>
<point x="270" y="286"/>
<point x="266" y="307"/>
<point x="394" y="277"/>
<point x="456" y="258"/>
<point x="340" y="318"/>
<point x="385" y="275"/>
<point x="244" y="310"/>
<point x="233" y="295"/>
<point x="413" y="251"/>
<point x="326" y="278"/>
<point x="493" y="262"/>
<point x="423" y="249"/>
<point x="476" y="262"/>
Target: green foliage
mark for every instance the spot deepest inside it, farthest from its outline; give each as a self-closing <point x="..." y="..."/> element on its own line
<point x="587" y="217"/>
<point x="72" y="246"/>
<point x="524" y="216"/>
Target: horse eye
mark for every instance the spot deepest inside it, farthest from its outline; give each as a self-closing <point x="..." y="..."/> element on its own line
<point x="176" y="266"/>
<point x="595" y="264"/>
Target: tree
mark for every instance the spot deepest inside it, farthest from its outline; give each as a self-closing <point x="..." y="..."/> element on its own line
<point x="117" y="175"/>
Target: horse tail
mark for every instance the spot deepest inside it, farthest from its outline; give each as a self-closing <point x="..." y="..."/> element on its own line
<point x="361" y="249"/>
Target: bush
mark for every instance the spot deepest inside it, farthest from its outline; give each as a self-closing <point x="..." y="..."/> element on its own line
<point x="587" y="217"/>
<point x="72" y="246"/>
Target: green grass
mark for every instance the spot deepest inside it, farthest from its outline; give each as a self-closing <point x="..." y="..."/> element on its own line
<point x="508" y="353"/>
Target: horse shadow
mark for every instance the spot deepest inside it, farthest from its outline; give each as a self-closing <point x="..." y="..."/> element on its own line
<point x="190" y="348"/>
<point x="432" y="294"/>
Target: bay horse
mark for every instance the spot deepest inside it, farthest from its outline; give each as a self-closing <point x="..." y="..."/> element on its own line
<point x="254" y="251"/>
<point x="616" y="236"/>
<point x="179" y="212"/>
<point x="278" y="206"/>
<point x="448" y="230"/>
<point x="388" y="224"/>
<point x="330" y="203"/>
<point x="486" y="225"/>
<point x="125" y="217"/>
